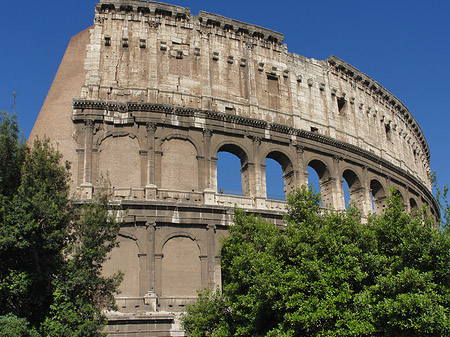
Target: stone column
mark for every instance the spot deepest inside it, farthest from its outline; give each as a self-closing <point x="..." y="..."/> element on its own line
<point x="256" y="174"/>
<point x="158" y="273"/>
<point x="367" y="206"/>
<point x="150" y="188"/>
<point x="211" y="243"/>
<point x="209" y="191"/>
<point x="337" y="190"/>
<point x="86" y="186"/>
<point x="301" y="174"/>
<point x="151" y="297"/>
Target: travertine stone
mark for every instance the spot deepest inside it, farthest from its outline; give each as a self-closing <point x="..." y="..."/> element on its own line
<point x="151" y="93"/>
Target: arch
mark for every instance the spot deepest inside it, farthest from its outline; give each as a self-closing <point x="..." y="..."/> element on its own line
<point x="160" y="247"/>
<point x="125" y="258"/>
<point x="181" y="270"/>
<point x="179" y="174"/>
<point x="321" y="169"/>
<point x="325" y="182"/>
<point x="183" y="137"/>
<point x="283" y="159"/>
<point x="102" y="137"/>
<point x="240" y="153"/>
<point x="355" y="189"/>
<point x="378" y="196"/>
<point x="128" y="235"/>
<point x="235" y="149"/>
<point x="287" y="170"/>
<point x="119" y="160"/>
<point x="413" y="206"/>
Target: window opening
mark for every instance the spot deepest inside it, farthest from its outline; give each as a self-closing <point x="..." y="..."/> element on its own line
<point x="229" y="174"/>
<point x="274" y="180"/>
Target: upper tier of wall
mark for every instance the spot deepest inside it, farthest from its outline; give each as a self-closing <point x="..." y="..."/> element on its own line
<point x="143" y="51"/>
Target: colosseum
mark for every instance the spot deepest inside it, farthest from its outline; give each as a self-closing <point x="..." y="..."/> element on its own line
<point x="150" y="94"/>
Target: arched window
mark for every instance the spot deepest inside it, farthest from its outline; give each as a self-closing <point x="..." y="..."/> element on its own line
<point x="321" y="172"/>
<point x="413" y="205"/>
<point x="176" y="174"/>
<point x="313" y="179"/>
<point x="354" y="188"/>
<point x="378" y="196"/>
<point x="274" y="180"/>
<point x="232" y="171"/>
<point x="279" y="175"/>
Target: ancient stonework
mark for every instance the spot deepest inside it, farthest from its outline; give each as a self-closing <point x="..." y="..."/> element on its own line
<point x="151" y="93"/>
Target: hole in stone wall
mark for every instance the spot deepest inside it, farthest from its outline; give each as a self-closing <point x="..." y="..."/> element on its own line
<point x="228" y="174"/>
<point x="377" y="195"/>
<point x="313" y="180"/>
<point x="272" y="84"/>
<point x="341" y="104"/>
<point x="274" y="180"/>
<point x="162" y="12"/>
<point x="346" y="189"/>
<point x="229" y="110"/>
<point x="143" y="10"/>
<point x="413" y="205"/>
<point x="232" y="175"/>
<point x="126" y="8"/>
<point x="352" y="189"/>
<point x="387" y="128"/>
<point x="107" y="8"/>
<point x="317" y="169"/>
<point x="278" y="183"/>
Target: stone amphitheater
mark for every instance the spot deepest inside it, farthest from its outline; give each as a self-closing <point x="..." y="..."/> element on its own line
<point x="150" y="94"/>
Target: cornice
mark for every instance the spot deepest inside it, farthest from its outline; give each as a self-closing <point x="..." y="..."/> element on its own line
<point x="377" y="89"/>
<point x="99" y="110"/>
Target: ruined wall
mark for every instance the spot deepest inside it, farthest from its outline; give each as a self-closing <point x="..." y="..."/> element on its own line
<point x="151" y="94"/>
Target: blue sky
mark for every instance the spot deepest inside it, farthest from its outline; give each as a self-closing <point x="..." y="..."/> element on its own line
<point x="403" y="45"/>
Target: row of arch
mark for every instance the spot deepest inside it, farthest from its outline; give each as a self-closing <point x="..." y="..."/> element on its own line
<point x="180" y="164"/>
<point x="318" y="174"/>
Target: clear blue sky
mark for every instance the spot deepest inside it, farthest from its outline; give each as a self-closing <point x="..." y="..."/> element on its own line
<point x="403" y="45"/>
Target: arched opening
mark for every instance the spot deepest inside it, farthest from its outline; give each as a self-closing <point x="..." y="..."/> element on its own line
<point x="274" y="180"/>
<point x="279" y="176"/>
<point x="320" y="179"/>
<point x="181" y="267"/>
<point x="176" y="174"/>
<point x="413" y="205"/>
<point x="346" y="190"/>
<point x="354" y="188"/>
<point x="125" y="258"/>
<point x="119" y="162"/>
<point x="232" y="171"/>
<point x="313" y="180"/>
<point x="378" y="196"/>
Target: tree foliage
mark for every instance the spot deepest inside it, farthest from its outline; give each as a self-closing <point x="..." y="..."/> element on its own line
<point x="51" y="250"/>
<point x="441" y="196"/>
<point x="13" y="326"/>
<point x="328" y="274"/>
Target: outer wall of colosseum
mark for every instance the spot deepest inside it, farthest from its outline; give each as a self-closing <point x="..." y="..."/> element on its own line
<point x="150" y="94"/>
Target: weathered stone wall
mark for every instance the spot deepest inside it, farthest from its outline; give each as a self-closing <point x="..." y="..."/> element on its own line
<point x="151" y="94"/>
<point x="214" y="63"/>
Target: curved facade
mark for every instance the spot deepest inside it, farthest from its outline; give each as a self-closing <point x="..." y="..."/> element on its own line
<point x="149" y="96"/>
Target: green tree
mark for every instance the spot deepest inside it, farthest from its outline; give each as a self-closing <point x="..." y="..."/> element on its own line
<point x="13" y="326"/>
<point x="441" y="196"/>
<point x="36" y="223"/>
<point x="81" y="293"/>
<point x="327" y="274"/>
<point x="12" y="153"/>
<point x="51" y="250"/>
